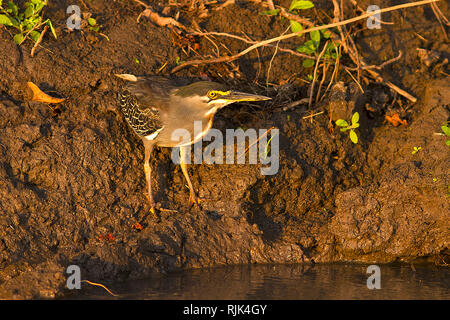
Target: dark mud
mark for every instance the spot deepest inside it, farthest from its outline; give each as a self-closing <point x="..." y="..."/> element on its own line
<point x="71" y="177"/>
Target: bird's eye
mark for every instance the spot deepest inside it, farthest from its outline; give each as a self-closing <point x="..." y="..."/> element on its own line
<point x="212" y="94"/>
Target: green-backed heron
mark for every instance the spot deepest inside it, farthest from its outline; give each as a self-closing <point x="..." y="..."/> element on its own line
<point x="156" y="106"/>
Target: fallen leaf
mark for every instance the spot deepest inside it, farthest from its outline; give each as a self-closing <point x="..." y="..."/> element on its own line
<point x="137" y="226"/>
<point x="109" y="237"/>
<point x="40" y="96"/>
<point x="395" y="120"/>
<point x="158" y="20"/>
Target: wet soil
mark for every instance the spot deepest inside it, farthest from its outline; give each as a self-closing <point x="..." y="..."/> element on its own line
<point x="72" y="182"/>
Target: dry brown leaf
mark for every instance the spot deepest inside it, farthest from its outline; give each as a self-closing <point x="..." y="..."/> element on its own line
<point x="137" y="226"/>
<point x="158" y="20"/>
<point x="395" y="120"/>
<point x="40" y="96"/>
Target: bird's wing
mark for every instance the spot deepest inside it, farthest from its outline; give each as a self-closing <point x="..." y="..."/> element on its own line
<point x="151" y="92"/>
<point x="142" y="102"/>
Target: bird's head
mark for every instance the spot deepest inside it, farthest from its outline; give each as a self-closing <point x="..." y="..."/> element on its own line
<point x="211" y="96"/>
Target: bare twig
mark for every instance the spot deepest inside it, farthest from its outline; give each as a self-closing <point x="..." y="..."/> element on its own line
<point x="271" y="60"/>
<point x="224" y="34"/>
<point x="315" y="73"/>
<point x="334" y="74"/>
<point x="440" y="18"/>
<point x="288" y="36"/>
<point x="384" y="64"/>
<point x="324" y="74"/>
<point x="312" y="115"/>
<point x="100" y="285"/>
<point x="38" y="41"/>
<point x="356" y="81"/>
<point x="265" y="133"/>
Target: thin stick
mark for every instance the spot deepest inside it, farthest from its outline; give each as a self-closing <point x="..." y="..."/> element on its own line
<point x="312" y="115"/>
<point x="141" y="3"/>
<point x="438" y="14"/>
<point x="334" y="74"/>
<point x="38" y="41"/>
<point x="324" y="74"/>
<point x="381" y="66"/>
<point x="315" y="73"/>
<point x="100" y="285"/>
<point x="224" y="34"/>
<point x="273" y="57"/>
<point x="288" y="36"/>
<point x="265" y="133"/>
<point x="356" y="81"/>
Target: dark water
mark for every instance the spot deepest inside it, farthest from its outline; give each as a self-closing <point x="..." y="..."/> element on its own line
<point x="291" y="282"/>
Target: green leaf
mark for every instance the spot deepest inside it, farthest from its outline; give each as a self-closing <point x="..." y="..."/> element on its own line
<point x="355" y="118"/>
<point x="270" y="12"/>
<point x="49" y="23"/>
<point x="39" y="7"/>
<point x="446" y="130"/>
<point x="301" y="5"/>
<point x="13" y="7"/>
<point x="315" y="36"/>
<point x="331" y="46"/>
<point x="92" y="21"/>
<point x="343" y="129"/>
<point x="326" y="33"/>
<point x="4" y="19"/>
<point x="341" y="123"/>
<point x="29" y="11"/>
<point x="14" y="22"/>
<point x="447" y="142"/>
<point x="311" y="44"/>
<point x="295" y="26"/>
<point x="353" y="136"/>
<point x="95" y="28"/>
<point x="35" y="35"/>
<point x="18" y="38"/>
<point x="305" y="49"/>
<point x="308" y="63"/>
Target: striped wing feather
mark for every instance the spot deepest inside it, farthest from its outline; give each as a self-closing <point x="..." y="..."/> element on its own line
<point x="143" y="101"/>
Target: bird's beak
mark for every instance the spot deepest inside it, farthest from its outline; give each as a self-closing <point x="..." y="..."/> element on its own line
<point x="236" y="96"/>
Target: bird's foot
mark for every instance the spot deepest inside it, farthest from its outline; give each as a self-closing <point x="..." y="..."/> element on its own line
<point x="154" y="207"/>
<point x="194" y="199"/>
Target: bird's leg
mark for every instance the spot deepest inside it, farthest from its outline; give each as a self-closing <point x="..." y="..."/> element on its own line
<point x="192" y="196"/>
<point x="148" y="174"/>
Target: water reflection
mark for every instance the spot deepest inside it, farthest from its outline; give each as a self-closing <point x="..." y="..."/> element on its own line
<point x="287" y="282"/>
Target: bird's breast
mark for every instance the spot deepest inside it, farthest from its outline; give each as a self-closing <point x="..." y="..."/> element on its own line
<point x="183" y="133"/>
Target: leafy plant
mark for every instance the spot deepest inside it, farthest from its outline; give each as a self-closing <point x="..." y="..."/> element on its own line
<point x="95" y="27"/>
<point x="345" y="126"/>
<point x="416" y="149"/>
<point x="311" y="46"/>
<point x="446" y="130"/>
<point x="28" y="22"/>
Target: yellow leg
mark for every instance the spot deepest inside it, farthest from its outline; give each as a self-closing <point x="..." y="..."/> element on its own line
<point x="192" y="196"/>
<point x="148" y="175"/>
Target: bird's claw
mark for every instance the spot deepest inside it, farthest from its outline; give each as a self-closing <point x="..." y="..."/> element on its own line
<point x="154" y="207"/>
<point x="194" y="199"/>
